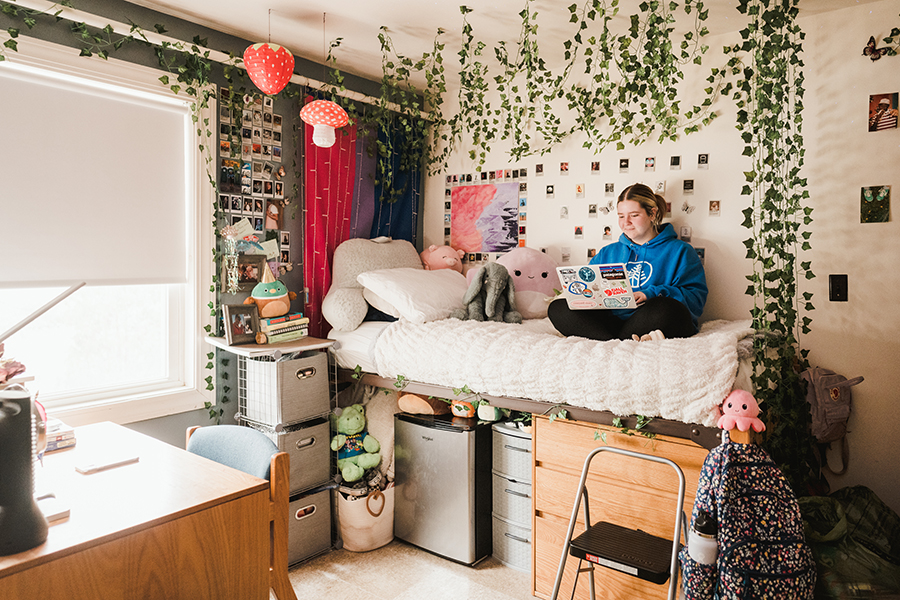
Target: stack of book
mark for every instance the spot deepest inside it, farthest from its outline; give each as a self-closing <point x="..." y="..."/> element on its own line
<point x="59" y="435"/>
<point x="285" y="328"/>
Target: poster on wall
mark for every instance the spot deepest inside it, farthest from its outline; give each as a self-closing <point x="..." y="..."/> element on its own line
<point x="485" y="218"/>
<point x="875" y="204"/>
<point x="883" y="111"/>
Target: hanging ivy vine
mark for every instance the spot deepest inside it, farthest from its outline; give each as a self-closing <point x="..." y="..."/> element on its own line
<point x="770" y="105"/>
<point x="627" y="91"/>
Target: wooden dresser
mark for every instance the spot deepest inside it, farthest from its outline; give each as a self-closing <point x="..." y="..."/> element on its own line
<point x="635" y="494"/>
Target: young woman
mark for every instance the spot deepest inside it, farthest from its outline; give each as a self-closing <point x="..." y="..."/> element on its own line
<point x="666" y="275"/>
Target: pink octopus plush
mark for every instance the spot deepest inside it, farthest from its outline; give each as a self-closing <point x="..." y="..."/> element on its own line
<point x="740" y="411"/>
<point x="442" y="257"/>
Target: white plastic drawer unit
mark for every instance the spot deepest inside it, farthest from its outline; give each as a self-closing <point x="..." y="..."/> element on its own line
<point x="512" y="499"/>
<point x="287" y="391"/>
<point x="512" y="452"/>
<point x="512" y="544"/>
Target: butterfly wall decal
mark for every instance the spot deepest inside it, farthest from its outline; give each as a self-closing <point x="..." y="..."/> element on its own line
<point x="872" y="51"/>
<point x="607" y="208"/>
<point x="687" y="207"/>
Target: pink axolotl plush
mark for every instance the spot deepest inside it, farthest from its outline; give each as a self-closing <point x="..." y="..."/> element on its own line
<point x="740" y="411"/>
<point x="442" y="257"/>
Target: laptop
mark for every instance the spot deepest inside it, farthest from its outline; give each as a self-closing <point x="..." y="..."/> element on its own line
<point x="593" y="287"/>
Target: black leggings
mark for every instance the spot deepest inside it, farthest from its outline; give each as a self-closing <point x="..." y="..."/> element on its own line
<point x="666" y="314"/>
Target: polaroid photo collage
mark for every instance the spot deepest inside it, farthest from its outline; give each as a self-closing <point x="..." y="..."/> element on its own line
<point x="482" y="178"/>
<point x="253" y="132"/>
<point x="247" y="187"/>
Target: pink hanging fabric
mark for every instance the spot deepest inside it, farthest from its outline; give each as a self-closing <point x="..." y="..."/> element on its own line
<point x="330" y="177"/>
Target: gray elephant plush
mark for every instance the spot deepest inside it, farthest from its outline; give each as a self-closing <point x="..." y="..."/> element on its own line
<point x="491" y="297"/>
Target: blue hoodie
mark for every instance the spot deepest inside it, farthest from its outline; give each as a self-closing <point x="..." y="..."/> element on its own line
<point x="664" y="266"/>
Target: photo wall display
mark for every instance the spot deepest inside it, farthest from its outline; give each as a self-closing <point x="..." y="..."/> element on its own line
<point x="586" y="202"/>
<point x="252" y="179"/>
<point x="249" y="129"/>
<point x="485" y="213"/>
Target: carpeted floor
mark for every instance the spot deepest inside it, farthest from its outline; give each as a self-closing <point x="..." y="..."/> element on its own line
<point x="400" y="571"/>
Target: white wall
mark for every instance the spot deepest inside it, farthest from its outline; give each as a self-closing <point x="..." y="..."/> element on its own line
<point x="859" y="337"/>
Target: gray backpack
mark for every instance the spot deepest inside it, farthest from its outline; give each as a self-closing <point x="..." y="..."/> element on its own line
<point x="829" y="396"/>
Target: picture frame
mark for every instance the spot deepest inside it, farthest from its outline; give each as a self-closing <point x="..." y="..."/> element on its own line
<point x="250" y="270"/>
<point x="241" y="323"/>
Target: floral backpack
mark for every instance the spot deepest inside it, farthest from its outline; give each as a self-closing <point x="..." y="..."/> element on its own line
<point x="762" y="551"/>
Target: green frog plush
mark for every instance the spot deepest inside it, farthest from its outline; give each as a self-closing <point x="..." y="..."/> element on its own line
<point x="357" y="450"/>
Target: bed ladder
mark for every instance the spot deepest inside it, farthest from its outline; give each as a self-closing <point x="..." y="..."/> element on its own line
<point x="630" y="551"/>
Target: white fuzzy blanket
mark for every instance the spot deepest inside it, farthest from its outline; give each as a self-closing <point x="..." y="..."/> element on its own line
<point x="678" y="379"/>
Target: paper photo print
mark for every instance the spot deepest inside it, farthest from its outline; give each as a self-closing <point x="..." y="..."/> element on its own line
<point x="875" y="204"/>
<point x="883" y="111"/>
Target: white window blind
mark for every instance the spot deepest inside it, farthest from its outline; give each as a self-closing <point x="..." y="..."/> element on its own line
<point x="97" y="192"/>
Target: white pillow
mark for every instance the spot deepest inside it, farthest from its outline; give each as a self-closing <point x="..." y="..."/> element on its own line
<point x="417" y="295"/>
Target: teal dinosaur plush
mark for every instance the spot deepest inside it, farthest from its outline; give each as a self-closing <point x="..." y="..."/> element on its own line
<point x="357" y="450"/>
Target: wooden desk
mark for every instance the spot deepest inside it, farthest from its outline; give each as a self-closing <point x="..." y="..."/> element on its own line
<point x="173" y="525"/>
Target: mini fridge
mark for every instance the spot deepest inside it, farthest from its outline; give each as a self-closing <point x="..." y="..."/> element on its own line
<point x="442" y="500"/>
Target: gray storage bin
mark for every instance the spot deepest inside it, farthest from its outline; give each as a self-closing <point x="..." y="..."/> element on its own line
<point x="512" y="544"/>
<point x="512" y="452"/>
<point x="512" y="499"/>
<point x="286" y="391"/>
<point x="308" y="445"/>
<point x="309" y="527"/>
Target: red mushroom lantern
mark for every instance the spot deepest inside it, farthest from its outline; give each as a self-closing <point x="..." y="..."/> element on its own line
<point x="269" y="66"/>
<point x="324" y="116"/>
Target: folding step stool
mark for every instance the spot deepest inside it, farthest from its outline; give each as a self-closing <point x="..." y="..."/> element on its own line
<point x="630" y="551"/>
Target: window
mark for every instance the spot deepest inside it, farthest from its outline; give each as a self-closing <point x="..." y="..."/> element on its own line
<point x="108" y="189"/>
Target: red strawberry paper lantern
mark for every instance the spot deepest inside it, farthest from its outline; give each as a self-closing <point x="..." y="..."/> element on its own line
<point x="269" y="66"/>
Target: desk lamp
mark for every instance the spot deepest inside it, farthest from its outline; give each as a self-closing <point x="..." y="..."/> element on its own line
<point x="22" y="524"/>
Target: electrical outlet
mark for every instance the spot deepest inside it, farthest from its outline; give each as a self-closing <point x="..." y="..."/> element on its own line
<point x="837" y="288"/>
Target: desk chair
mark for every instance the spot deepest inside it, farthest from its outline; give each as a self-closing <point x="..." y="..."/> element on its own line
<point x="253" y="453"/>
<point x="630" y="551"/>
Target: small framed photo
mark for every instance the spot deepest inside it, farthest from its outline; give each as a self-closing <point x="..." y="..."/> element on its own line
<point x="241" y="323"/>
<point x="250" y="270"/>
<point x="285" y="239"/>
<point x="703" y="161"/>
<point x="623" y="165"/>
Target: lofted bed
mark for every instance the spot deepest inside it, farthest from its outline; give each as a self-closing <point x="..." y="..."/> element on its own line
<point x="603" y="386"/>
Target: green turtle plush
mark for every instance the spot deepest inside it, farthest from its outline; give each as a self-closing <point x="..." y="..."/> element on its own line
<point x="357" y="450"/>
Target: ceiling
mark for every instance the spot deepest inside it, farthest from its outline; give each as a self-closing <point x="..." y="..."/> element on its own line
<point x="306" y="28"/>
